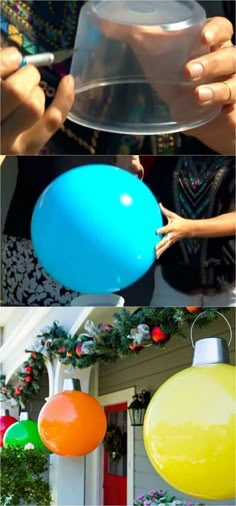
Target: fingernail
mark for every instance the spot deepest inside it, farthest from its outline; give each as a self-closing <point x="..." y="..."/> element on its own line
<point x="209" y="36"/>
<point x="196" y="70"/>
<point x="70" y="80"/>
<point x="205" y="94"/>
<point x="15" y="56"/>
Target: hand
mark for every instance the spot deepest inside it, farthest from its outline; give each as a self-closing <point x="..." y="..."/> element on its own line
<point x="131" y="163"/>
<point x="177" y="228"/>
<point x="218" y="65"/>
<point x="25" y="124"/>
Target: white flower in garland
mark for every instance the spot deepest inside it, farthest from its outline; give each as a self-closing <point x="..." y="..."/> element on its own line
<point x="29" y="446"/>
<point x="140" y="334"/>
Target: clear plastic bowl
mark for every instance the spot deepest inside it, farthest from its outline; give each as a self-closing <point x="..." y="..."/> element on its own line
<point x="108" y="299"/>
<point x="129" y="68"/>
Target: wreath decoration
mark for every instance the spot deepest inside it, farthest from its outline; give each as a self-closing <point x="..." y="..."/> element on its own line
<point x="115" y="442"/>
<point x="129" y="334"/>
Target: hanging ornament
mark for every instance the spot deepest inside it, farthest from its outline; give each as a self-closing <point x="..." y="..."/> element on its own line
<point x="193" y="309"/>
<point x="5" y="421"/>
<point x="72" y="423"/>
<point x="189" y="426"/>
<point x="23" y="432"/>
<point x="158" y="336"/>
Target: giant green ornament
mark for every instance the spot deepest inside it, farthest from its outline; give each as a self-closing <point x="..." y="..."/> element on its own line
<point x="21" y="433"/>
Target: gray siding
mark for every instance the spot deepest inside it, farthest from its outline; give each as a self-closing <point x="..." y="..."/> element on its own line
<point x="149" y="370"/>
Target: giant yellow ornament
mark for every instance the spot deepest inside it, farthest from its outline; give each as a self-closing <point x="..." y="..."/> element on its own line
<point x="190" y="425"/>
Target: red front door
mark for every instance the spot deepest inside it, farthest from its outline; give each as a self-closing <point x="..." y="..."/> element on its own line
<point x="115" y="469"/>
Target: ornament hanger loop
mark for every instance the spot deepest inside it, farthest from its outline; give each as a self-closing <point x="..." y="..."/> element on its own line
<point x="223" y="316"/>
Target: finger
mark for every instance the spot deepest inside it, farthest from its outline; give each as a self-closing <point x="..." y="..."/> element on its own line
<point x="217" y="93"/>
<point x="17" y="88"/>
<point x="164" y="230"/>
<point x="159" y="251"/>
<point x="166" y="240"/>
<point x="21" y="120"/>
<point x="216" y="64"/>
<point x="137" y="169"/>
<point x="216" y="31"/>
<point x="166" y="212"/>
<point x="135" y="158"/>
<point x="10" y="59"/>
<point x="53" y="118"/>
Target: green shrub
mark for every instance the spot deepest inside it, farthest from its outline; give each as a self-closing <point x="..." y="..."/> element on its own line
<point x="21" y="477"/>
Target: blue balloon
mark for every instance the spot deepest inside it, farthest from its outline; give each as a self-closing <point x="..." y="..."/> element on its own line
<point x="94" y="229"/>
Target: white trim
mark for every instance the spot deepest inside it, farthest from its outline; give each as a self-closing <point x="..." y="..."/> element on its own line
<point x="94" y="468"/>
<point x="31" y="317"/>
<point x="83" y="314"/>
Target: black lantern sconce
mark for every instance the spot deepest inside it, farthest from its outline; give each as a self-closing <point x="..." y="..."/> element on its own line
<point x="138" y="407"/>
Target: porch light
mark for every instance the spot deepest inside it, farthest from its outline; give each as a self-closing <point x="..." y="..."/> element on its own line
<point x="138" y="407"/>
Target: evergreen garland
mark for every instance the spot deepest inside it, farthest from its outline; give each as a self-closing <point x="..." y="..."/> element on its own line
<point x="28" y="381"/>
<point x="128" y="335"/>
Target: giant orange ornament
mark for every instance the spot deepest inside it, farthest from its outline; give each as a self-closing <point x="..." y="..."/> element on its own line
<point x="72" y="424"/>
<point x="193" y="309"/>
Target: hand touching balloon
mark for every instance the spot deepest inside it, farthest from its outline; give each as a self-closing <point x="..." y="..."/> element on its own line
<point x="179" y="228"/>
<point x="26" y="125"/>
<point x="176" y="229"/>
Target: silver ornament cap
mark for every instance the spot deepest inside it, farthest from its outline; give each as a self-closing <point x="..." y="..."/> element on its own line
<point x="4" y="412"/>
<point x="24" y="416"/>
<point x="211" y="350"/>
<point x="71" y="384"/>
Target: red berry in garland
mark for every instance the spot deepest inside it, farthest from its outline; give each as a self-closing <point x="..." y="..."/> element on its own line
<point x="158" y="336"/>
<point x="18" y="390"/>
<point x="78" y="350"/>
<point x="105" y="326"/>
<point x="28" y="369"/>
<point x="27" y="379"/>
<point x="135" y="347"/>
<point x="62" y="349"/>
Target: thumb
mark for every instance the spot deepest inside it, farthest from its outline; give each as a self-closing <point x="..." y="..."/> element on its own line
<point x="10" y="60"/>
<point x="166" y="212"/>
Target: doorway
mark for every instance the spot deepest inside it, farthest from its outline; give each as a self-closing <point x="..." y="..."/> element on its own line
<point x="115" y="459"/>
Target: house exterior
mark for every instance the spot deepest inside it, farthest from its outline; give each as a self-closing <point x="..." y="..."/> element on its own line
<point x="87" y="481"/>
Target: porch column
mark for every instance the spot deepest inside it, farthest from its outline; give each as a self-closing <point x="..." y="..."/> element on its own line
<point x="67" y="475"/>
